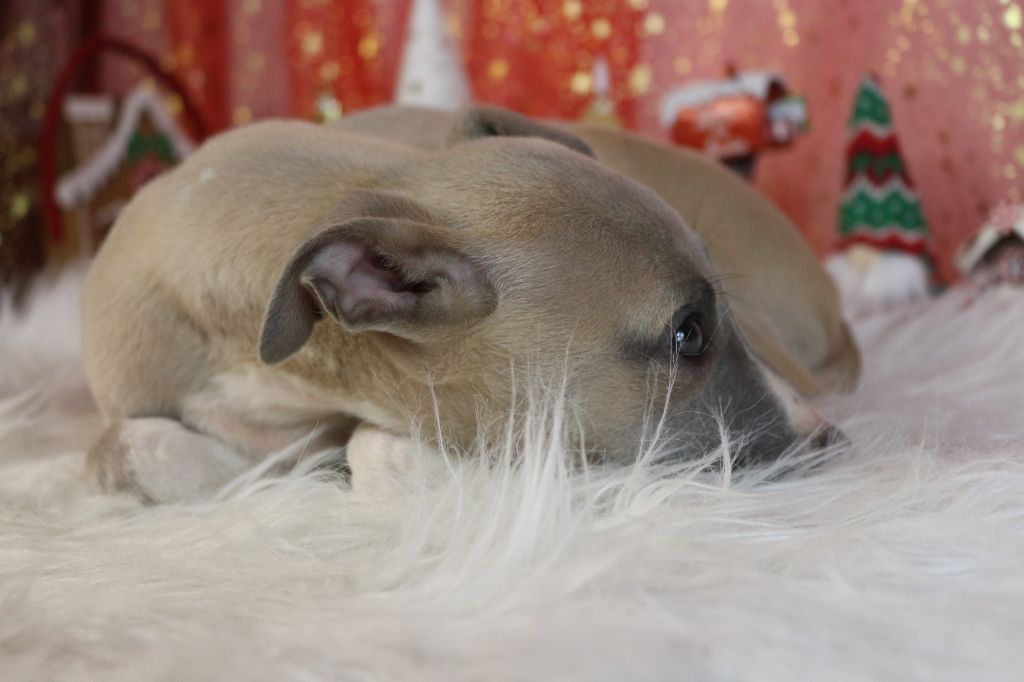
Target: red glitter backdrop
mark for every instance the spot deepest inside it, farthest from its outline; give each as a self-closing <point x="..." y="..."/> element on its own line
<point x="953" y="71"/>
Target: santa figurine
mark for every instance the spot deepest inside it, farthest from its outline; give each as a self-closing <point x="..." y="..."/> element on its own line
<point x="995" y="254"/>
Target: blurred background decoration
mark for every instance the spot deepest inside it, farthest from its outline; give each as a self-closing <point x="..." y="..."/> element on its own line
<point x="735" y="77"/>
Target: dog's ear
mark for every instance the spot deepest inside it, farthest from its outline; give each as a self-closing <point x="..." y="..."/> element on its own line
<point x="382" y="274"/>
<point x="486" y="121"/>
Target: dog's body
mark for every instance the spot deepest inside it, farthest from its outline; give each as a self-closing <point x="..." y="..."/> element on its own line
<point x="453" y="255"/>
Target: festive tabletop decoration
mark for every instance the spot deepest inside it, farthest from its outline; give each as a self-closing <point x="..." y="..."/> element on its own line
<point x="735" y="118"/>
<point x="431" y="74"/>
<point x="995" y="254"/>
<point x="114" y="157"/>
<point x="885" y="251"/>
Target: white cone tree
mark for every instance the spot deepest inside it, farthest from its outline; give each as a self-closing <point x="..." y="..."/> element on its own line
<point x="431" y="73"/>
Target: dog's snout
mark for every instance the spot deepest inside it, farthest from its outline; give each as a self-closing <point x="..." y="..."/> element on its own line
<point x="829" y="437"/>
<point x="806" y="421"/>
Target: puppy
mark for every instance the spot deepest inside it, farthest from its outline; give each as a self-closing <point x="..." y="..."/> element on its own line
<point x="289" y="276"/>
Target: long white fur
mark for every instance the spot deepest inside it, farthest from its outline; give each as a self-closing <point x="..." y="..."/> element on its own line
<point x="901" y="559"/>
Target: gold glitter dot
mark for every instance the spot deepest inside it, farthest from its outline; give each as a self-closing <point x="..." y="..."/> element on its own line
<point x="19" y="206"/>
<point x="242" y="115"/>
<point x="998" y="122"/>
<point x="453" y="24"/>
<point x="251" y="6"/>
<point x="654" y="24"/>
<point x="963" y="35"/>
<point x="1016" y="40"/>
<point x="790" y="38"/>
<point x="174" y="105"/>
<point x="497" y="69"/>
<point x="638" y="5"/>
<point x="958" y="64"/>
<point x="581" y="83"/>
<point x="1019" y="154"/>
<point x="787" y="19"/>
<point x="27" y="33"/>
<point x="717" y="6"/>
<point x="369" y="46"/>
<point x="19" y="85"/>
<point x="571" y="9"/>
<point x="682" y="65"/>
<point x="983" y="34"/>
<point x="1012" y="17"/>
<point x="312" y="43"/>
<point x="640" y="79"/>
<point x="601" y="28"/>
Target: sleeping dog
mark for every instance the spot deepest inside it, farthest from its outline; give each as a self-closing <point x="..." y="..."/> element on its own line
<point x="408" y="265"/>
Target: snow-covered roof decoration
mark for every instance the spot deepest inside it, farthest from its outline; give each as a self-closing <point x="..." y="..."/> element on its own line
<point x="1005" y="220"/>
<point x="89" y="108"/>
<point x="753" y="83"/>
<point x="82" y="183"/>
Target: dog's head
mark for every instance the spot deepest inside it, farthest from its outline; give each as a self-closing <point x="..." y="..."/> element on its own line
<point x="511" y="253"/>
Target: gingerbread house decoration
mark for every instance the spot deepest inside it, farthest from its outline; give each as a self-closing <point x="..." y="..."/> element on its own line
<point x="996" y="251"/>
<point x="735" y="117"/>
<point x="115" y="148"/>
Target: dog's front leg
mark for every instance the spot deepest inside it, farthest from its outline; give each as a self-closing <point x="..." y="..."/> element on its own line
<point x="161" y="460"/>
<point x="378" y="458"/>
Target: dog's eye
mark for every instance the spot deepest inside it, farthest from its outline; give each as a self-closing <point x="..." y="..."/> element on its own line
<point x="688" y="337"/>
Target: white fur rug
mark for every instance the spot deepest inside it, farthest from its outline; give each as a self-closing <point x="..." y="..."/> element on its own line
<point x="903" y="560"/>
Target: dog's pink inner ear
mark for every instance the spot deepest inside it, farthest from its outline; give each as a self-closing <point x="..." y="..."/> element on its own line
<point x="358" y="286"/>
<point x="374" y="274"/>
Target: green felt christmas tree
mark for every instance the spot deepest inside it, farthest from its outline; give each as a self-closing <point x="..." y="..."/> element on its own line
<point x="879" y="206"/>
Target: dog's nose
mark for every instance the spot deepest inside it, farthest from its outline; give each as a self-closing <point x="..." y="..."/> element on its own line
<point x="829" y="436"/>
<point x="807" y="422"/>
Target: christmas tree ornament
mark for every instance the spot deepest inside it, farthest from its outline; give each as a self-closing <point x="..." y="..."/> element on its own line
<point x="602" y="108"/>
<point x="734" y="119"/>
<point x="884" y="255"/>
<point x="431" y="73"/>
<point x="995" y="254"/>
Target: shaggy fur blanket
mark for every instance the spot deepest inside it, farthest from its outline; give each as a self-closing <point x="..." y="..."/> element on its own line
<point x="902" y="559"/>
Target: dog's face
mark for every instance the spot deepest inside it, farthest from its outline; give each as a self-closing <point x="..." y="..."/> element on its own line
<point x="513" y="255"/>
